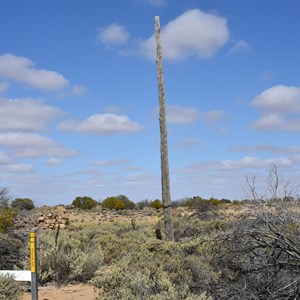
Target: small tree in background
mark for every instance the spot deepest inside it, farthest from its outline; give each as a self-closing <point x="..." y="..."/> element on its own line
<point x="128" y="203"/>
<point x="84" y="202"/>
<point x="143" y="203"/>
<point x="6" y="219"/>
<point x="118" y="202"/>
<point x="156" y="204"/>
<point x="6" y="213"/>
<point x="113" y="203"/>
<point x="22" y="204"/>
<point x="4" y="198"/>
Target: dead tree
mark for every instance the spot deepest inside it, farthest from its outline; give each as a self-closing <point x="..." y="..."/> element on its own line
<point x="166" y="199"/>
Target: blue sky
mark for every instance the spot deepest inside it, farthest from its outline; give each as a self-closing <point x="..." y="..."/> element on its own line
<point x="79" y="100"/>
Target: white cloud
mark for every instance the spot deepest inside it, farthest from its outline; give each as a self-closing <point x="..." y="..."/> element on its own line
<point x="272" y="121"/>
<point x="177" y="114"/>
<point x="22" y="69"/>
<point x="281" y="108"/>
<point x="114" y="34"/>
<point x="18" y="168"/>
<point x="3" y="87"/>
<point x="3" y="158"/>
<point x="194" y="33"/>
<point x="247" y="162"/>
<point x="279" y="99"/>
<point x="25" y="114"/>
<point x="268" y="148"/>
<point x="33" y="145"/>
<point x="54" y="161"/>
<point x="238" y="46"/>
<point x="105" y="124"/>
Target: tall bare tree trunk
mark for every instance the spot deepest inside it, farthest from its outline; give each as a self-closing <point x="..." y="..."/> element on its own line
<point x="166" y="199"/>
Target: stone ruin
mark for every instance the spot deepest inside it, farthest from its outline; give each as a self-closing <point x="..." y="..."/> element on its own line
<point x="52" y="220"/>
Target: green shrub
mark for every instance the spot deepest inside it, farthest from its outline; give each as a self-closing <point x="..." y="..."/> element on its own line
<point x="6" y="219"/>
<point x="156" y="204"/>
<point x="128" y="203"/>
<point x="75" y="258"/>
<point x="22" y="204"/>
<point x="9" y="289"/>
<point x="113" y="203"/>
<point x="84" y="202"/>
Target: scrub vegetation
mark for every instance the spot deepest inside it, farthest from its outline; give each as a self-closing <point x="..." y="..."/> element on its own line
<point x="222" y="249"/>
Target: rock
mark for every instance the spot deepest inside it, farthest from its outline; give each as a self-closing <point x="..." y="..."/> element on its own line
<point x="41" y="219"/>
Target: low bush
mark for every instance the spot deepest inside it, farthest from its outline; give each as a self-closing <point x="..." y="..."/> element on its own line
<point x="12" y="253"/>
<point x="74" y="258"/>
<point x="6" y="219"/>
<point x="9" y="289"/>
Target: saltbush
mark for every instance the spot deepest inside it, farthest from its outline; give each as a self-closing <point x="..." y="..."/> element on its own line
<point x="74" y="258"/>
<point x="12" y="252"/>
<point x="9" y="289"/>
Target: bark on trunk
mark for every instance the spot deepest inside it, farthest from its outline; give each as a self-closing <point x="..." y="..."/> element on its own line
<point x="166" y="199"/>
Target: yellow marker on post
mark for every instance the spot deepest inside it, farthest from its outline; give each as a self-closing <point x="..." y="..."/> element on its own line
<point x="33" y="265"/>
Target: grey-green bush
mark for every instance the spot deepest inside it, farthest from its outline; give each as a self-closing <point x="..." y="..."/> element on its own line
<point x="75" y="258"/>
<point x="9" y="289"/>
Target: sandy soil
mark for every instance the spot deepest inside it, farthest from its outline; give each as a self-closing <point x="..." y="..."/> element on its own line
<point x="70" y="292"/>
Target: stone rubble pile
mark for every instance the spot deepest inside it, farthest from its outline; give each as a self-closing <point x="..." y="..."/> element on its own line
<point x="51" y="220"/>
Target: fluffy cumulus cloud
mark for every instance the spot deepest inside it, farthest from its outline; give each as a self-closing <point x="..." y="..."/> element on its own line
<point x="102" y="124"/>
<point x="33" y="145"/>
<point x="280" y="107"/>
<point x="25" y="114"/>
<point x="194" y="33"/>
<point x="23" y="70"/>
<point x="114" y="34"/>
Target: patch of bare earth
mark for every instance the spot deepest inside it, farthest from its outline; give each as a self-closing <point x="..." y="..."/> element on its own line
<point x="69" y="292"/>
